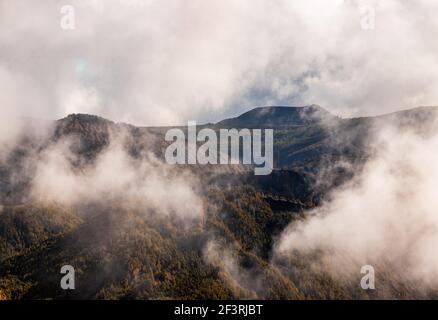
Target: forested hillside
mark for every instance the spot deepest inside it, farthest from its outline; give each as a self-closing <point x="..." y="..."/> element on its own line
<point x="131" y="241"/>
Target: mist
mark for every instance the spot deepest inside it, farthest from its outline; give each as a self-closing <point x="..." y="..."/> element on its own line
<point x="144" y="183"/>
<point x="153" y="63"/>
<point x="386" y="216"/>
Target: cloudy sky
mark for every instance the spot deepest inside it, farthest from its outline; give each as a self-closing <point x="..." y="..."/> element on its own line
<point x="161" y="62"/>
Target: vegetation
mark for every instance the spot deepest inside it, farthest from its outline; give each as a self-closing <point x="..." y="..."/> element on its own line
<point x="123" y="251"/>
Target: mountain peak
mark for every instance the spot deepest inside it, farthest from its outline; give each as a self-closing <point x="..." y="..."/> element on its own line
<point x="84" y="118"/>
<point x="93" y="130"/>
<point x="278" y="116"/>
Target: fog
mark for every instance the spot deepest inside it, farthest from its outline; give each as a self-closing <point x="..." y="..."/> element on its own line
<point x="385" y="217"/>
<point x="150" y="62"/>
<point x="143" y="183"/>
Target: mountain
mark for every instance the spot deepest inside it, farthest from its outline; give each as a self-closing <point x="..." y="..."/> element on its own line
<point x="122" y="247"/>
<point x="278" y="117"/>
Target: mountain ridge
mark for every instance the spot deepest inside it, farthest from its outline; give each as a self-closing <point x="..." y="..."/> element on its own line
<point x="302" y="115"/>
<point x="122" y="250"/>
<point x="279" y="116"/>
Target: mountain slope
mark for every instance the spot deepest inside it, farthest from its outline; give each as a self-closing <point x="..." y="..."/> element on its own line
<point x="122" y="249"/>
<point x="278" y="117"/>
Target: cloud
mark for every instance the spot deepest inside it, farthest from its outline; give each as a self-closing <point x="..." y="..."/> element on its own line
<point x="244" y="282"/>
<point x="386" y="216"/>
<point x="152" y="62"/>
<point x="119" y="179"/>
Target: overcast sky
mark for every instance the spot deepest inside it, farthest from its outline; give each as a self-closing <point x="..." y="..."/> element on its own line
<point x="162" y="62"/>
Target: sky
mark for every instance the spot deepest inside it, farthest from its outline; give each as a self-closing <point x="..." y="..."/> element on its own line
<point x="164" y="62"/>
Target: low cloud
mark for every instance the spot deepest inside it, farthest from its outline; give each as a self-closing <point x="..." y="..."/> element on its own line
<point x="386" y="216"/>
<point x="244" y="282"/>
<point x="117" y="178"/>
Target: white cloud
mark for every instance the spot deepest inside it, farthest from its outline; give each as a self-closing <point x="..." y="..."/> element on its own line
<point x="145" y="184"/>
<point x="386" y="217"/>
<point x="163" y="62"/>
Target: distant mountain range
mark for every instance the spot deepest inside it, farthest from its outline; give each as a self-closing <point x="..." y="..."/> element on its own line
<point x="303" y="135"/>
